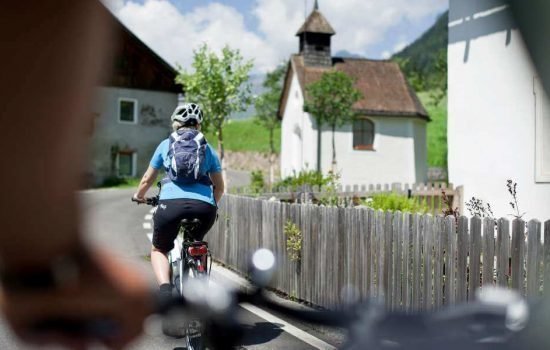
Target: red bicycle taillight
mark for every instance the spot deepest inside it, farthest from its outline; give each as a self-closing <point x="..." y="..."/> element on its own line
<point x="198" y="251"/>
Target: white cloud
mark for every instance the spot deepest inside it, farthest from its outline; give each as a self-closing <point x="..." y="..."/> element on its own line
<point x="174" y="35"/>
<point x="114" y="5"/>
<point x="359" y="25"/>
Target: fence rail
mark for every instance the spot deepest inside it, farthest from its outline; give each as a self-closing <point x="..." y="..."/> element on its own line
<point x="413" y="261"/>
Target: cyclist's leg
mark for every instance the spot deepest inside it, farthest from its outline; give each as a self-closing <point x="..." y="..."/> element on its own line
<point x="166" y="225"/>
<point x="161" y="266"/>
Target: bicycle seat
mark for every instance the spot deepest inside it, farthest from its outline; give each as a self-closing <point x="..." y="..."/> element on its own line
<point x="190" y="224"/>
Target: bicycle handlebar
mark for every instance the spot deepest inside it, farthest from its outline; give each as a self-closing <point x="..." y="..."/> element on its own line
<point x="153" y="201"/>
<point x="478" y="325"/>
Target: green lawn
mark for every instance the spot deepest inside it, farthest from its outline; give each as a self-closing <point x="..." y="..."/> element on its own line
<point x="245" y="135"/>
<point x="437" y="130"/>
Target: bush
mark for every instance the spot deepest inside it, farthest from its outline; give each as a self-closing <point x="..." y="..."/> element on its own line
<point x="293" y="241"/>
<point x="310" y="178"/>
<point x="122" y="182"/>
<point x="257" y="181"/>
<point x="393" y="202"/>
<point x="114" y="181"/>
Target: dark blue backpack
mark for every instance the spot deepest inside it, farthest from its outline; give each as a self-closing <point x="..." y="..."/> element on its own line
<point x="186" y="154"/>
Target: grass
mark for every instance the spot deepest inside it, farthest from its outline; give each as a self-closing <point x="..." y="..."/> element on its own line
<point x="120" y="182"/>
<point x="245" y="135"/>
<point x="437" y="130"/>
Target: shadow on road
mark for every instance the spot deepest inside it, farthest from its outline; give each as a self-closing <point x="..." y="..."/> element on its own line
<point x="260" y="333"/>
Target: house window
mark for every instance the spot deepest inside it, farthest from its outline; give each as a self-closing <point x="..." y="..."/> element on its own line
<point x="127" y="110"/>
<point x="126" y="164"/>
<point x="542" y="134"/>
<point x="363" y="134"/>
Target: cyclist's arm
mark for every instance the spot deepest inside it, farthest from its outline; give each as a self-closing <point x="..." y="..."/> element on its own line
<point x="146" y="182"/>
<point x="219" y="186"/>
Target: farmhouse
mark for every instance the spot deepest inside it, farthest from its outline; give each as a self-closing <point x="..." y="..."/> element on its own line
<point x="499" y="114"/>
<point x="133" y="108"/>
<point x="387" y="141"/>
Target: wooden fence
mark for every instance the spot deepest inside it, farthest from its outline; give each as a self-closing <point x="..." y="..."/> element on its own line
<point x="413" y="261"/>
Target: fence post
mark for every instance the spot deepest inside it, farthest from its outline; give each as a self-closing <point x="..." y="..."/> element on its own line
<point x="475" y="252"/>
<point x="546" y="281"/>
<point x="438" y="260"/>
<point x="396" y="261"/>
<point x="406" y="293"/>
<point x="458" y="198"/>
<point x="427" y="230"/>
<point x="503" y="251"/>
<point x="450" y="267"/>
<point x="488" y="251"/>
<point x="381" y="280"/>
<point x="533" y="261"/>
<point x="388" y="258"/>
<point x="518" y="241"/>
<point x="462" y="256"/>
<point x="372" y="252"/>
<point x="417" y="261"/>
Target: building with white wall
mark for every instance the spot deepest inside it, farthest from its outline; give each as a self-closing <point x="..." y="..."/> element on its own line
<point x="133" y="109"/>
<point x="387" y="141"/>
<point x="499" y="115"/>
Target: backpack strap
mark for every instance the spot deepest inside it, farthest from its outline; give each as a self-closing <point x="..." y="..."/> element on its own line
<point x="204" y="180"/>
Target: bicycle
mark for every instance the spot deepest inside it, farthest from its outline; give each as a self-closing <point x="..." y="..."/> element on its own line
<point x="191" y="263"/>
<point x="188" y="260"/>
<point x="500" y="319"/>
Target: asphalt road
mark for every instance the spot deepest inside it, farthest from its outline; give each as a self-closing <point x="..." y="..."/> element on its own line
<point x="111" y="220"/>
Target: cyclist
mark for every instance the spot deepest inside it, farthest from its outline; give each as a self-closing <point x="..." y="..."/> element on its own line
<point x="195" y="199"/>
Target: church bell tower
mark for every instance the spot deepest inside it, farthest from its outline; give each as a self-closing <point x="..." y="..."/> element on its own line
<point x="315" y="35"/>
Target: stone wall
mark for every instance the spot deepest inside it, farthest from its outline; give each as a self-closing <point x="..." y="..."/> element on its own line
<point x="250" y="161"/>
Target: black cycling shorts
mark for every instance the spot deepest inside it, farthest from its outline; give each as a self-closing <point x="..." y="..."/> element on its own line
<point x="169" y="214"/>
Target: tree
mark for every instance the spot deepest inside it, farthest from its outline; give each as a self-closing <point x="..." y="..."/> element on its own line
<point x="267" y="105"/>
<point x="220" y="86"/>
<point x="414" y="75"/>
<point x="439" y="91"/>
<point x="330" y="101"/>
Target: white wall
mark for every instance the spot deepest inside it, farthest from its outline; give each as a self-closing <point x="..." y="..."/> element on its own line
<point x="153" y="125"/>
<point x="298" y="143"/>
<point x="420" y="150"/>
<point x="491" y="122"/>
<point x="392" y="160"/>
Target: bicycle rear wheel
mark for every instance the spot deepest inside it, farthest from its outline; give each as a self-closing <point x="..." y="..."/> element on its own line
<point x="172" y="324"/>
<point x="195" y="330"/>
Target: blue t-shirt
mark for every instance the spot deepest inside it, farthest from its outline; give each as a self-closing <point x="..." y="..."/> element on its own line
<point x="197" y="191"/>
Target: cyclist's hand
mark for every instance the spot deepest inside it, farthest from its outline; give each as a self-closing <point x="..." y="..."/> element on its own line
<point x="107" y="290"/>
<point x="135" y="198"/>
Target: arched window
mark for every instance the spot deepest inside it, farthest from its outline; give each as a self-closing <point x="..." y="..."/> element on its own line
<point x="363" y="134"/>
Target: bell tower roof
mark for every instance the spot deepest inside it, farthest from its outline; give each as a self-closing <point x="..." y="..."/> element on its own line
<point x="316" y="23"/>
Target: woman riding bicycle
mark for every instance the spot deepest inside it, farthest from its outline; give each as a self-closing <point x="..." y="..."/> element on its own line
<point x="192" y="188"/>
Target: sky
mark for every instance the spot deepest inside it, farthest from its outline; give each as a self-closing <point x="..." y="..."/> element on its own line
<point x="264" y="30"/>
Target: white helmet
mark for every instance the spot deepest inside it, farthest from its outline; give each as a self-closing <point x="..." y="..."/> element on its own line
<point x="187" y="112"/>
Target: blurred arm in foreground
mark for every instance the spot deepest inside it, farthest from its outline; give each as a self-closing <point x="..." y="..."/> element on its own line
<point x="51" y="56"/>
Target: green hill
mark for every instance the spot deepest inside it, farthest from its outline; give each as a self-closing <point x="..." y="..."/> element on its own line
<point x="245" y="136"/>
<point x="426" y="57"/>
<point x="424" y="62"/>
